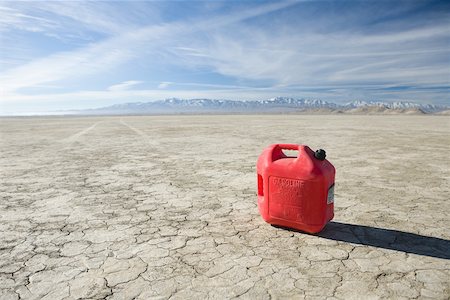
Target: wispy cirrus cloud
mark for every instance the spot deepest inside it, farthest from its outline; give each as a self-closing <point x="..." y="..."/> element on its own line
<point x="70" y="17"/>
<point x="164" y="85"/>
<point x="237" y="50"/>
<point x="14" y="18"/>
<point x="55" y="67"/>
<point x="412" y="56"/>
<point x="116" y="50"/>
<point x="123" y="86"/>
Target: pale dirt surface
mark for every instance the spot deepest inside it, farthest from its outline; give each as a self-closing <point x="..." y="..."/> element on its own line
<point x="165" y="207"/>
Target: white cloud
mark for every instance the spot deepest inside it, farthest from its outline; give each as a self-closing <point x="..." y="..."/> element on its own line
<point x="63" y="17"/>
<point x="164" y="85"/>
<point x="94" y="16"/>
<point x="114" y="51"/>
<point x="11" y="18"/>
<point x="283" y="58"/>
<point x="312" y="58"/>
<point x="101" y="56"/>
<point x="123" y="86"/>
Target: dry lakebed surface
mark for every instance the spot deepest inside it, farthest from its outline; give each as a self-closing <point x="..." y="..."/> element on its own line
<point x="158" y="207"/>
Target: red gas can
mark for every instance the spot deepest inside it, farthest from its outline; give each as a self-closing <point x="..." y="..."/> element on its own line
<point x="295" y="192"/>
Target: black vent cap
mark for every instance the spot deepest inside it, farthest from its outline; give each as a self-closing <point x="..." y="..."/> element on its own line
<point x="320" y="154"/>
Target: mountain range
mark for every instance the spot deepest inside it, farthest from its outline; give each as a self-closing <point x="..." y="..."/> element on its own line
<point x="273" y="105"/>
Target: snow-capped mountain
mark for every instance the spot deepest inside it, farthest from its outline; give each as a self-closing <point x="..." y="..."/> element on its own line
<point x="273" y="105"/>
<point x="294" y="102"/>
<point x="429" y="108"/>
<point x="273" y="102"/>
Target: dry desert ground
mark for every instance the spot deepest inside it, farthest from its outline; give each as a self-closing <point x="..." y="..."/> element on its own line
<point x="158" y="207"/>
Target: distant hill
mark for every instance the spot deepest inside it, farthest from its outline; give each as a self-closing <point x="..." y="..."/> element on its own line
<point x="273" y="105"/>
<point x="445" y="112"/>
<point x="376" y="110"/>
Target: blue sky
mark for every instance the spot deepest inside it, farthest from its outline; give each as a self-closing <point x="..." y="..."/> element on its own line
<point x="76" y="55"/>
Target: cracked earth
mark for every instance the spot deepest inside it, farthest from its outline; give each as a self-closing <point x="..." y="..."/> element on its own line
<point x="165" y="207"/>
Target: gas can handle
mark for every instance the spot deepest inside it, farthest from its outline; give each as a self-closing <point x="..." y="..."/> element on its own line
<point x="277" y="153"/>
<point x="289" y="146"/>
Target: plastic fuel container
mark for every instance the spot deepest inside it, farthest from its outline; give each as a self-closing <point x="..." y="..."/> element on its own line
<point x="295" y="192"/>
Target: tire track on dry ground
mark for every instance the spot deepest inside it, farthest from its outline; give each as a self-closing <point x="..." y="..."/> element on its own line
<point x="144" y="137"/>
<point x="76" y="137"/>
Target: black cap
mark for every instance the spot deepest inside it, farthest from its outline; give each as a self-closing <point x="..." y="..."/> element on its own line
<point x="320" y="154"/>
